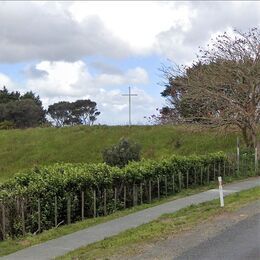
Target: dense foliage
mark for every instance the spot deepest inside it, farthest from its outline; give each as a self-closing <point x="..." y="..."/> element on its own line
<point x="69" y="180"/>
<point x="122" y="153"/>
<point x="220" y="88"/>
<point x="20" y="111"/>
<point x="26" y="110"/>
<point x="80" y="112"/>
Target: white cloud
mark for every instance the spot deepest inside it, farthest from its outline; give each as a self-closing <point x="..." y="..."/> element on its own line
<point x="181" y="43"/>
<point x="72" y="30"/>
<point x="138" y="23"/>
<point x="71" y="81"/>
<point x="8" y="83"/>
<point x="60" y="78"/>
<point x="171" y="29"/>
<point x="5" y="81"/>
<point x="59" y="35"/>
<point x="31" y="31"/>
<point x="132" y="76"/>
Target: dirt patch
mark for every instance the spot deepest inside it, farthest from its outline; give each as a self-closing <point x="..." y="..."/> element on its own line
<point x="25" y="243"/>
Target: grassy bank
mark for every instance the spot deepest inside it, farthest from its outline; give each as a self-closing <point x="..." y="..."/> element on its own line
<point x="22" y="149"/>
<point x="127" y="242"/>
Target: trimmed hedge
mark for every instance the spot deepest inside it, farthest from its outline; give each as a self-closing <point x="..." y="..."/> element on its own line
<point x="65" y="181"/>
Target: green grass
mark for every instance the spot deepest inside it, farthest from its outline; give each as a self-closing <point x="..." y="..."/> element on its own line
<point x="22" y="149"/>
<point x="130" y="241"/>
<point x="11" y="245"/>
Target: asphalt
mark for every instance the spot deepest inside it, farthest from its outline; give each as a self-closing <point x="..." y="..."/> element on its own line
<point x="65" y="244"/>
<point x="239" y="242"/>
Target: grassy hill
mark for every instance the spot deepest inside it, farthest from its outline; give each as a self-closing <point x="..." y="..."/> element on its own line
<point x="22" y="149"/>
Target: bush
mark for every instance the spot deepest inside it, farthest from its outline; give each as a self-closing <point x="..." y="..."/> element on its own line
<point x="122" y="153"/>
<point x="70" y="180"/>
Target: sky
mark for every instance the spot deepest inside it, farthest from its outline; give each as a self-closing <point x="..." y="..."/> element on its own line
<point x="96" y="50"/>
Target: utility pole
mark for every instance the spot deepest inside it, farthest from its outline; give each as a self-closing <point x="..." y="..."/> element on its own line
<point x="129" y="95"/>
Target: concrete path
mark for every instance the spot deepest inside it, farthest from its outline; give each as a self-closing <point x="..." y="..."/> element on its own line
<point x="65" y="244"/>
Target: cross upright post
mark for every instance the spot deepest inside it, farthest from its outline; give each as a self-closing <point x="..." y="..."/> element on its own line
<point x="129" y="95"/>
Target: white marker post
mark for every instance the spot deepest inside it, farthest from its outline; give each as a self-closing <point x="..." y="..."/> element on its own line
<point x="221" y="197"/>
<point x="256" y="161"/>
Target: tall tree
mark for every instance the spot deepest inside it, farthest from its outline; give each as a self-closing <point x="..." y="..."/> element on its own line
<point x="36" y="99"/>
<point x="23" y="113"/>
<point x="31" y="95"/>
<point x="6" y="96"/>
<point x="74" y="113"/>
<point x="85" y="111"/>
<point x="22" y="110"/>
<point x="222" y="87"/>
<point x="60" y="112"/>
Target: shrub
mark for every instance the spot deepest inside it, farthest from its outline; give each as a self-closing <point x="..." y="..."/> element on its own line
<point x="70" y="180"/>
<point x="122" y="153"/>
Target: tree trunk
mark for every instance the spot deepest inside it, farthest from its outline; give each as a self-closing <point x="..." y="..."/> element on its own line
<point x="249" y="136"/>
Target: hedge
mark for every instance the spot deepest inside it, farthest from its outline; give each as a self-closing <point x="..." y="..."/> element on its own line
<point x="51" y="188"/>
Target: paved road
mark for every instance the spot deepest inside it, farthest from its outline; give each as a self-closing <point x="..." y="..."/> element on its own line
<point x="239" y="242"/>
<point x="63" y="245"/>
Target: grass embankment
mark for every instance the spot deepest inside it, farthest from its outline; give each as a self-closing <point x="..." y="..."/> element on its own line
<point x="22" y="149"/>
<point x="129" y="241"/>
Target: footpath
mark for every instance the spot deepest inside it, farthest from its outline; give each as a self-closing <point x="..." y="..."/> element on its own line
<point x="65" y="244"/>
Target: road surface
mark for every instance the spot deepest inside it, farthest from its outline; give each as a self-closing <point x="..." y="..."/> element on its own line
<point x="239" y="242"/>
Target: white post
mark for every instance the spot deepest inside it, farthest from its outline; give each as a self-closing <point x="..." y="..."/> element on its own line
<point x="221" y="191"/>
<point x="238" y="155"/>
<point x="256" y="161"/>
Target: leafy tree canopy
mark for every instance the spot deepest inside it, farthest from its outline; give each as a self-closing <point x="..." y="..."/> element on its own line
<point x="21" y="110"/>
<point x="221" y="88"/>
<point x="82" y="112"/>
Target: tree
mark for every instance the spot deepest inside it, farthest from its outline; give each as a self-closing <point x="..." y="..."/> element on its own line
<point x="74" y="113"/>
<point x="60" y="112"/>
<point x="222" y="87"/>
<point x="6" y="97"/>
<point x="85" y="111"/>
<point x="23" y="113"/>
<point x="14" y="108"/>
<point x="31" y="95"/>
<point x="36" y="99"/>
<point x="2" y="112"/>
<point x="122" y="153"/>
